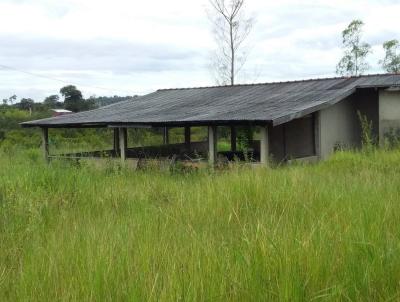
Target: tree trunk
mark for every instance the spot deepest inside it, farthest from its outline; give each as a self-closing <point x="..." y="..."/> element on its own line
<point x="356" y="63"/>
<point x="232" y="53"/>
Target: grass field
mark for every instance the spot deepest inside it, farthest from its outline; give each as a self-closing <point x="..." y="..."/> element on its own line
<point x="326" y="232"/>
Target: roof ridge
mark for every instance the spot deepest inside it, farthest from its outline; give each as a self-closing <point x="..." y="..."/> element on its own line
<point x="283" y="82"/>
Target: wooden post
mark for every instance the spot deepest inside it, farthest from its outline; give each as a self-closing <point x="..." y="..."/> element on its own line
<point x="187" y="138"/>
<point x="166" y="136"/>
<point x="122" y="143"/>
<point x="264" y="145"/>
<point x="212" y="144"/>
<point x="45" y="143"/>
<point x="233" y="138"/>
<point x="116" y="140"/>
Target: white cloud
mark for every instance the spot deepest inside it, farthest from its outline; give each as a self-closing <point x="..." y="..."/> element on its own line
<point x="139" y="46"/>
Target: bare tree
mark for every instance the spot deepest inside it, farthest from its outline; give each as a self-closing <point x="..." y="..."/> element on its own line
<point x="231" y="28"/>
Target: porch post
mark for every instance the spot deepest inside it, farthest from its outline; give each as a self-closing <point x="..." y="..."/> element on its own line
<point x="166" y="136"/>
<point x="45" y="143"/>
<point x="187" y="138"/>
<point x="212" y="144"/>
<point x="264" y="145"/>
<point x="122" y="143"/>
<point x="233" y="138"/>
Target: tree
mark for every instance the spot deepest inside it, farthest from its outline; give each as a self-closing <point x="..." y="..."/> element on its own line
<point x="26" y="104"/>
<point x="353" y="62"/>
<point x="73" y="99"/>
<point x="90" y="103"/>
<point x="12" y="99"/>
<point x="391" y="62"/>
<point x="231" y="28"/>
<point x="52" y="101"/>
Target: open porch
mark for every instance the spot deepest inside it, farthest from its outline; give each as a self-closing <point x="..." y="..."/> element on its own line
<point x="190" y="151"/>
<point x="295" y="140"/>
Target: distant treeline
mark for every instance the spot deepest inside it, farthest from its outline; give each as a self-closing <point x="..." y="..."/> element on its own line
<point x="14" y="111"/>
<point x="72" y="99"/>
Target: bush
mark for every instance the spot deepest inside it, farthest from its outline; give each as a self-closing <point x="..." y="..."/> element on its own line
<point x="392" y="138"/>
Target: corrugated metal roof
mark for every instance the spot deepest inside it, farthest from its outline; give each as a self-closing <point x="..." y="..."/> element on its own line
<point x="255" y="103"/>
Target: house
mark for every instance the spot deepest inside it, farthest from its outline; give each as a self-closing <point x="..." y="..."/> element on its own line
<point x="59" y="112"/>
<point x="305" y="119"/>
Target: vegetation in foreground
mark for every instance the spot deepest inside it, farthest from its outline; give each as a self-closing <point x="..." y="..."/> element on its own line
<point x="325" y="232"/>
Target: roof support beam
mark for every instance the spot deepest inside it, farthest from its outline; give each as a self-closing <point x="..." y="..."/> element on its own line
<point x="264" y="145"/>
<point x="212" y="144"/>
<point x="166" y="135"/>
<point x="136" y="126"/>
<point x="123" y="138"/>
<point x="45" y="143"/>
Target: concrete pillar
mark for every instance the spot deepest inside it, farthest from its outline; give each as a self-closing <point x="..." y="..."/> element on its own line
<point x="166" y="136"/>
<point x="187" y="138"/>
<point x="45" y="143"/>
<point x="264" y="145"/>
<point x="212" y="144"/>
<point x="123" y="137"/>
<point x="233" y="138"/>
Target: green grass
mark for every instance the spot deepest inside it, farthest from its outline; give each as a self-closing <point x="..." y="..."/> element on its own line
<point x="327" y="232"/>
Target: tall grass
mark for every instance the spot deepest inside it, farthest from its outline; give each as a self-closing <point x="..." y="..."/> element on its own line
<point x="325" y="232"/>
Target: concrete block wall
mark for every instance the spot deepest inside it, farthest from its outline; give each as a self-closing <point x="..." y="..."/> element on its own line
<point x="292" y="140"/>
<point x="389" y="113"/>
<point x="337" y="127"/>
<point x="340" y="126"/>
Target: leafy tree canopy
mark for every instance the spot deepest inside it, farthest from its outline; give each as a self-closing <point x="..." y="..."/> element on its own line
<point x="25" y="104"/>
<point x="353" y="62"/>
<point x="73" y="99"/>
<point x="52" y="102"/>
<point x="391" y="62"/>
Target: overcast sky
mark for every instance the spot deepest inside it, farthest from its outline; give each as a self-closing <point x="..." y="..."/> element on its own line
<point x="126" y="47"/>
